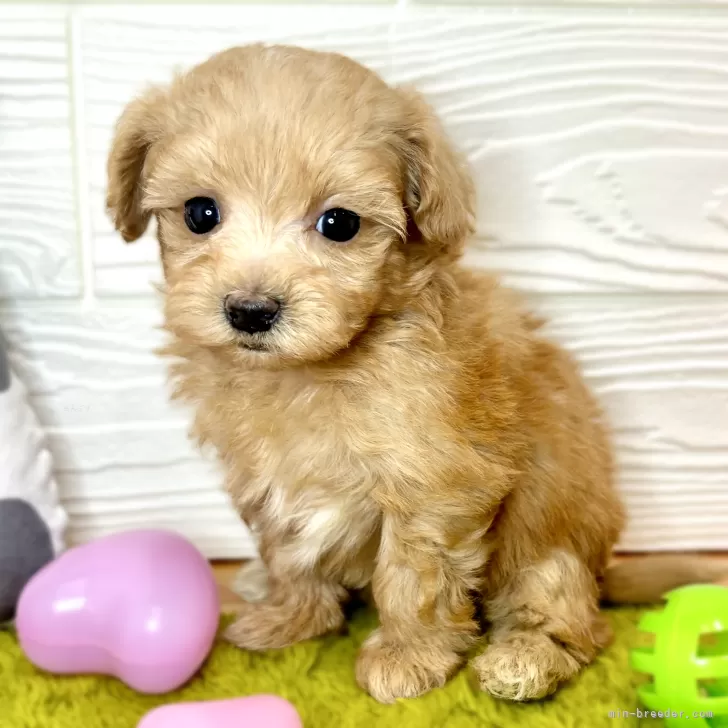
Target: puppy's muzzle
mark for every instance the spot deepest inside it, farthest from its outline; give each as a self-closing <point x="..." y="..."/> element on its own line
<point x="251" y="315"/>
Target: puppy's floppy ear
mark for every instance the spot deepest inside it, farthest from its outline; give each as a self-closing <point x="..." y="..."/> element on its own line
<point x="439" y="191"/>
<point x="139" y="126"/>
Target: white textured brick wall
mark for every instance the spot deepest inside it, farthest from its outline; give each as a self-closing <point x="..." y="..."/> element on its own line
<point x="599" y="137"/>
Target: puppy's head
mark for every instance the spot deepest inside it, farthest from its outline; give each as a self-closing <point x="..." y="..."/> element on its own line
<point x="297" y="196"/>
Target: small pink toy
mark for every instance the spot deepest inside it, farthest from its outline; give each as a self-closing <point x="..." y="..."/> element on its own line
<point x="258" y="711"/>
<point x="140" y="606"/>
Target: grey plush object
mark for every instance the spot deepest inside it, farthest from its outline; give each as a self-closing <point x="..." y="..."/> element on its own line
<point x="32" y="522"/>
<point x="25" y="547"/>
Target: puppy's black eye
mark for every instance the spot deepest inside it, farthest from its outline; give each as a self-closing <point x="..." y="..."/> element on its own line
<point x="201" y="214"/>
<point x="338" y="225"/>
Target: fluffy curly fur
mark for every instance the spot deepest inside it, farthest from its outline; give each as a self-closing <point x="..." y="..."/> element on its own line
<point x="404" y="425"/>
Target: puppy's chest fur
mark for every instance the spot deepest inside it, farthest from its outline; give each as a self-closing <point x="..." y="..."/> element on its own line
<point x="309" y="461"/>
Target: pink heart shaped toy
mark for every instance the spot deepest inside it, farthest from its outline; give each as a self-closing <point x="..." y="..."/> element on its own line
<point x="141" y="606"/>
<point x="258" y="711"/>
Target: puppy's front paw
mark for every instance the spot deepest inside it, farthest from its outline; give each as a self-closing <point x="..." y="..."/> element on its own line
<point x="525" y="667"/>
<point x="389" y="669"/>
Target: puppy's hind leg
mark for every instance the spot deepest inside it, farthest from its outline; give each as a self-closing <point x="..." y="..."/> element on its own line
<point x="290" y="601"/>
<point x="251" y="581"/>
<point x="545" y="628"/>
<point x="306" y="608"/>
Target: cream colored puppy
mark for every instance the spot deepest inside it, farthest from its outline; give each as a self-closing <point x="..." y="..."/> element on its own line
<point x="386" y="418"/>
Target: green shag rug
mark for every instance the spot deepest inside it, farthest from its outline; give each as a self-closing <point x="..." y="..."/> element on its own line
<point x="318" y="678"/>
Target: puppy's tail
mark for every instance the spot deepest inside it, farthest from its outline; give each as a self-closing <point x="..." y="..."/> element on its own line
<point x="645" y="579"/>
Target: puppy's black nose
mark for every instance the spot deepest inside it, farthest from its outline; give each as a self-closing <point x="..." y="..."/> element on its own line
<point x="251" y="315"/>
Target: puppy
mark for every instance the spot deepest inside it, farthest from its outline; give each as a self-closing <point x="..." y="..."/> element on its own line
<point x="386" y="418"/>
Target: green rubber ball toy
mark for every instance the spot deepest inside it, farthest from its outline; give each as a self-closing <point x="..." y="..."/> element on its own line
<point x="688" y="661"/>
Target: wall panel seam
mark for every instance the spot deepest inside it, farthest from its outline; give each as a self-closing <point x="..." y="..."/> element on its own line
<point x="84" y="232"/>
